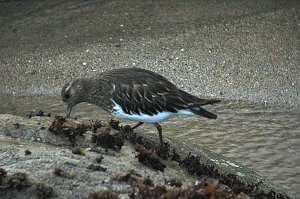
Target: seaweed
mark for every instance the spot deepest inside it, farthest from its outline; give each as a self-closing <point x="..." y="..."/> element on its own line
<point x="147" y="157"/>
<point x="43" y="191"/>
<point x="27" y="152"/>
<point x="94" y="167"/>
<point x="62" y="173"/>
<point x="130" y="176"/>
<point x="99" y="159"/>
<point x="174" y="182"/>
<point x="105" y="194"/>
<point x="78" y="151"/>
<point x="17" y="180"/>
<point x="59" y="128"/>
<point x="107" y="140"/>
<point x="40" y="113"/>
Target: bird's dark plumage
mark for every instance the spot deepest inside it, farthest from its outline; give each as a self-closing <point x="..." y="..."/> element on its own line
<point x="139" y="90"/>
<point x="136" y="94"/>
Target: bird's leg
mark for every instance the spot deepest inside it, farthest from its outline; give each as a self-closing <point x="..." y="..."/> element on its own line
<point x="158" y="127"/>
<point x="137" y="125"/>
<point x="163" y="148"/>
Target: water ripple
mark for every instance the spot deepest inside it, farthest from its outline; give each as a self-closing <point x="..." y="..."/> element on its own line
<point x="264" y="138"/>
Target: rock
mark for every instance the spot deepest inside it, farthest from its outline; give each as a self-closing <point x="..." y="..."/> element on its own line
<point x="53" y="169"/>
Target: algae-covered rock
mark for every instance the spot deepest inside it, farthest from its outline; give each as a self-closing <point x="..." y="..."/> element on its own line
<point x="136" y="168"/>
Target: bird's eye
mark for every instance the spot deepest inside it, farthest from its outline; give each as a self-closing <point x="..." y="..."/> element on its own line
<point x="66" y="96"/>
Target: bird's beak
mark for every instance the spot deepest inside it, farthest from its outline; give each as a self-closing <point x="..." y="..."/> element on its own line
<point x="68" y="110"/>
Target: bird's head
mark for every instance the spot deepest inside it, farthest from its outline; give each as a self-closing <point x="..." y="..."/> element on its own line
<point x="73" y="93"/>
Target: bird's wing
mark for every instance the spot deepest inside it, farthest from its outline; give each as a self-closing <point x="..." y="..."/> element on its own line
<point x="148" y="96"/>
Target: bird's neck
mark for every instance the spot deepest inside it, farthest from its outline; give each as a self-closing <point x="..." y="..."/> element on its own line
<point x="93" y="91"/>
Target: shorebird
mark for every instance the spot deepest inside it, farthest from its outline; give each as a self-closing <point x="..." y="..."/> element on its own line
<point x="135" y="94"/>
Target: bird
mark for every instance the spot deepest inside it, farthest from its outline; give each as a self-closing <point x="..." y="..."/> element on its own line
<point x="135" y="94"/>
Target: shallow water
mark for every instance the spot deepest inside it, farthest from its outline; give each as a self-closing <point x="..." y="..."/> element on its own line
<point x="264" y="138"/>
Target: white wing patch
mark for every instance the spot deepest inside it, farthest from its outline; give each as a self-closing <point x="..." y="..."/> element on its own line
<point x="118" y="112"/>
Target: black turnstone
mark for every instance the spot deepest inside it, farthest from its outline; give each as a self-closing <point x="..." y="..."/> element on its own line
<point x="135" y="94"/>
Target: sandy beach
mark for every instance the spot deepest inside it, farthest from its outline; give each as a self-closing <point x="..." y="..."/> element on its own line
<point x="232" y="50"/>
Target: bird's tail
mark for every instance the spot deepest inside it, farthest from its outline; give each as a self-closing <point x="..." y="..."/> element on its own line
<point x="203" y="102"/>
<point x="200" y="111"/>
<point x="196" y="108"/>
<point x="195" y="104"/>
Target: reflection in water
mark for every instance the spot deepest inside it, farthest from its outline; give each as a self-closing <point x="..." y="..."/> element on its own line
<point x="266" y="139"/>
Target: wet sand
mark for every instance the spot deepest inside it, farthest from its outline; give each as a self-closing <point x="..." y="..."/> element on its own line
<point x="232" y="50"/>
